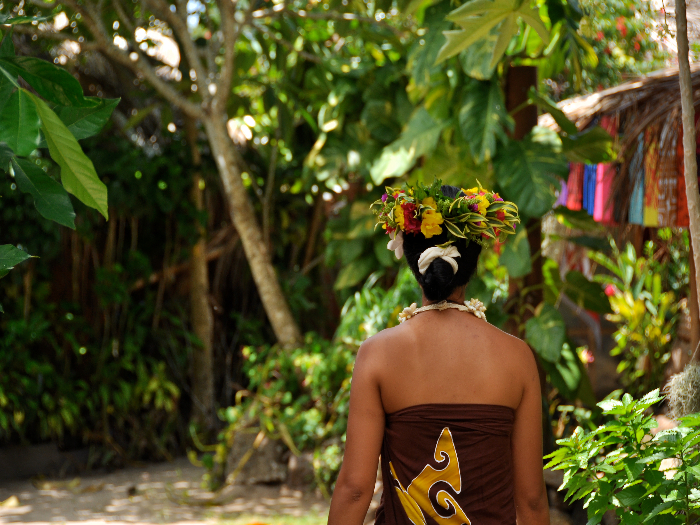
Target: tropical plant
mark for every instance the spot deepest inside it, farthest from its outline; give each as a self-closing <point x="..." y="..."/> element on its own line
<point x="645" y="315"/>
<point x="622" y="466"/>
<point x="54" y="115"/>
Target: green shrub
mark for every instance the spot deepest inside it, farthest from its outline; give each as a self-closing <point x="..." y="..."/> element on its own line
<point x="646" y="316"/>
<point x="618" y="466"/>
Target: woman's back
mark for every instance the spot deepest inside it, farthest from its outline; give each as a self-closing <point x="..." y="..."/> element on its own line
<point x="449" y="357"/>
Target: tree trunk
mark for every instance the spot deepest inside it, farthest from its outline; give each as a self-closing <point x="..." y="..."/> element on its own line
<point x="203" y="409"/>
<point x="243" y="218"/>
<point x="519" y="80"/>
<point x="690" y="162"/>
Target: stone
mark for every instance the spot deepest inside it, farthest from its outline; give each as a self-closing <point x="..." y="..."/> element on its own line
<point x="557" y="517"/>
<point x="267" y="464"/>
<point x="553" y="478"/>
<point x="300" y="471"/>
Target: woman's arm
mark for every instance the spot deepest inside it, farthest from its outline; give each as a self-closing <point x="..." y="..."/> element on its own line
<point x="530" y="493"/>
<point x="355" y="485"/>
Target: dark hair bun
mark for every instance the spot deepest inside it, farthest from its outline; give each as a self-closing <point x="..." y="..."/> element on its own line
<point x="439" y="280"/>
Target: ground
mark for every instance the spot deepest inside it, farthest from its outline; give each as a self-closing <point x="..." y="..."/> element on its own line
<point x="159" y="493"/>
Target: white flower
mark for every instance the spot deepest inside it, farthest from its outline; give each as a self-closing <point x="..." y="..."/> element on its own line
<point x="477" y="308"/>
<point x="407" y="313"/>
<point x="396" y="244"/>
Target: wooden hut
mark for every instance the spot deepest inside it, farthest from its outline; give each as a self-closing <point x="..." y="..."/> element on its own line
<point x="645" y="188"/>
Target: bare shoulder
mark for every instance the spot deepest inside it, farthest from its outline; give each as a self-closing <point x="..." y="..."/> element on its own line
<point x="513" y="350"/>
<point x="377" y="349"/>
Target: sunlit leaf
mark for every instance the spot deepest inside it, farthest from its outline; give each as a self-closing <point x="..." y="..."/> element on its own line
<point x="418" y="138"/>
<point x="77" y="171"/>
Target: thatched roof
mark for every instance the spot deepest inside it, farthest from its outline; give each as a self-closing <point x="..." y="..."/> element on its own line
<point x="650" y="97"/>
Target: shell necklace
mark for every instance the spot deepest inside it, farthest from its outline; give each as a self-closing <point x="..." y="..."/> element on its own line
<point x="473" y="306"/>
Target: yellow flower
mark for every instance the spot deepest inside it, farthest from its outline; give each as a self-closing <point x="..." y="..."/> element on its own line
<point x="483" y="204"/>
<point x="398" y="216"/>
<point x="429" y="201"/>
<point x="431" y="222"/>
<point x="471" y="191"/>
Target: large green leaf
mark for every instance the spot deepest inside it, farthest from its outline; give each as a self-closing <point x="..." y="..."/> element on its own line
<point x="575" y="219"/>
<point x="7" y="47"/>
<point x="88" y="121"/>
<point x="586" y="294"/>
<point x="546" y="332"/>
<point x="549" y="106"/>
<point x="355" y="272"/>
<point x="477" y="59"/>
<point x="6" y="155"/>
<point x="20" y="124"/>
<point x="516" y="255"/>
<point x="424" y="52"/>
<point x="483" y="119"/>
<point x="418" y="138"/>
<point x="50" y="81"/>
<point x="591" y="146"/>
<point x="77" y="172"/>
<point x="50" y="199"/>
<point x="6" y="89"/>
<point x="478" y="17"/>
<point x="11" y="257"/>
<point x="527" y="170"/>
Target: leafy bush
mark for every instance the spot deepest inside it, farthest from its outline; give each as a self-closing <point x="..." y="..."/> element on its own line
<point x="645" y="315"/>
<point x="621" y="466"/>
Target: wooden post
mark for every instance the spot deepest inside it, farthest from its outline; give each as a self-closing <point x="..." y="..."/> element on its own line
<point x="689" y="147"/>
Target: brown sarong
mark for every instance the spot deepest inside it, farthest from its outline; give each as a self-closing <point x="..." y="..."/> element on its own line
<point x="448" y="464"/>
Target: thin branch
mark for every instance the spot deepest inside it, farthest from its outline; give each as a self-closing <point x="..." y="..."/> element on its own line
<point x="105" y="44"/>
<point x="230" y="30"/>
<point x="178" y="23"/>
<point x="52" y="35"/>
<point x="281" y="9"/>
<point x="119" y="8"/>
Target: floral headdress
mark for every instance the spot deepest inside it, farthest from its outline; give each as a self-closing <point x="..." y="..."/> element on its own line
<point x="477" y="214"/>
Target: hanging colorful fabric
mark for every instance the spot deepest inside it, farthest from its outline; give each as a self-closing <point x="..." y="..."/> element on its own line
<point x="668" y="172"/>
<point x="575" y="186"/>
<point x="651" y="176"/>
<point x="605" y="174"/>
<point x="636" y="174"/>
<point x="589" y="183"/>
<point x="563" y="194"/>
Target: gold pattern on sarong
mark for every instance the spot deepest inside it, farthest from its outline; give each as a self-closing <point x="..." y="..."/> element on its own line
<point x="416" y="498"/>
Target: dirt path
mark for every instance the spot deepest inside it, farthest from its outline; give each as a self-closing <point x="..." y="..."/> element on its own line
<point x="156" y="493"/>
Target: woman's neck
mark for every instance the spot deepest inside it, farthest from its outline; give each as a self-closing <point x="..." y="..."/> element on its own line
<point x="457" y="296"/>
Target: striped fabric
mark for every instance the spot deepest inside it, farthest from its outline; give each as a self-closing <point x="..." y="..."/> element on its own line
<point x="668" y="174"/>
<point x="605" y="174"/>
<point x="651" y="176"/>
<point x="636" y="174"/>
<point x="575" y="186"/>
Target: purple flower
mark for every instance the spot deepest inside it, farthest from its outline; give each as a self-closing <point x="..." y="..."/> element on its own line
<point x="384" y="197"/>
<point x="474" y="207"/>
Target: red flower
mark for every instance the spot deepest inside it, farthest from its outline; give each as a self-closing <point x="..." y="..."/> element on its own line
<point x="599" y="36"/>
<point x="621" y="26"/>
<point x="500" y="215"/>
<point x="637" y="47"/>
<point x="411" y="223"/>
<point x="610" y="290"/>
